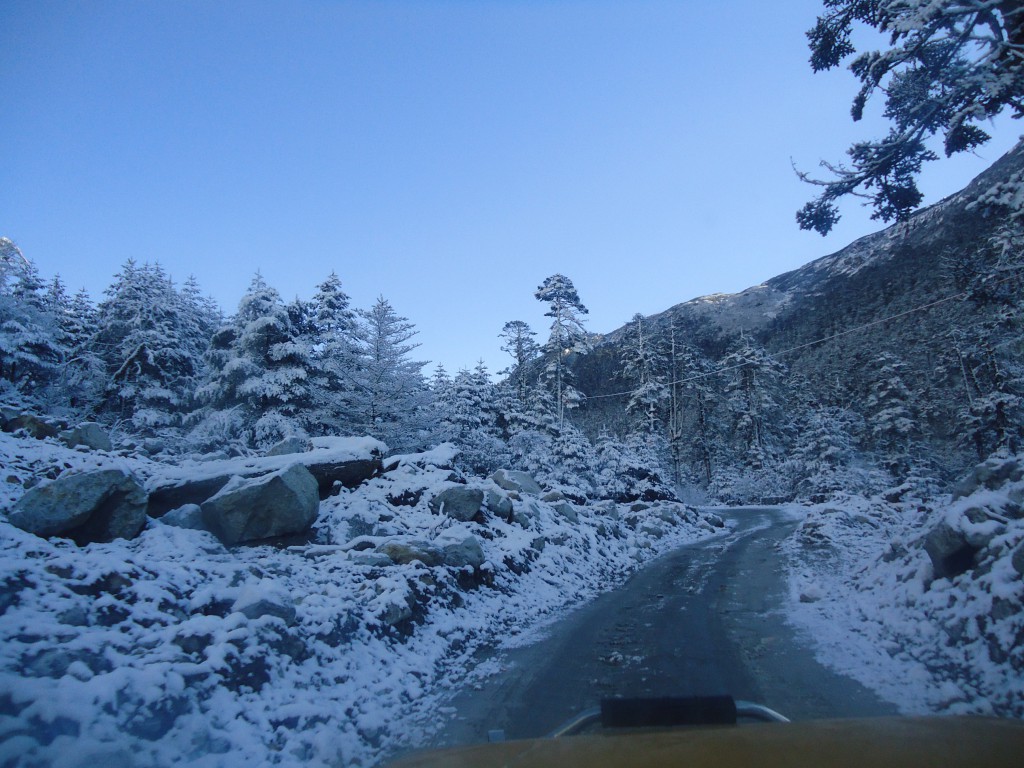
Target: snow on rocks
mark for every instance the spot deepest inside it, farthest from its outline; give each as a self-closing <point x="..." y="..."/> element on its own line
<point x="278" y="504"/>
<point x="921" y="600"/>
<point x="335" y="463"/>
<point x="100" y="505"/>
<point x="90" y="435"/>
<point x="172" y="649"/>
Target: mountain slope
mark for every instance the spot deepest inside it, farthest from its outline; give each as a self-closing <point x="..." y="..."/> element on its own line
<point x="900" y="291"/>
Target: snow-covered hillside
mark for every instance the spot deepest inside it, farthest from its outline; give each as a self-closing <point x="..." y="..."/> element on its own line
<point x="920" y="600"/>
<point x="174" y="649"/>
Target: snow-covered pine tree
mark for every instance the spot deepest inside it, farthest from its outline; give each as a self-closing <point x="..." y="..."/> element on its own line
<point x="392" y="399"/>
<point x="82" y="379"/>
<point x="567" y="337"/>
<point x="824" y="448"/>
<point x="570" y="468"/>
<point x="519" y="344"/>
<point x="630" y="470"/>
<point x="468" y="418"/>
<point x="257" y="389"/>
<point x="336" y="359"/>
<point x="893" y="415"/>
<point x="949" y="67"/>
<point x="30" y="350"/>
<point x="755" y="397"/>
<point x="643" y="370"/>
<point x="141" y="337"/>
<point x="695" y="431"/>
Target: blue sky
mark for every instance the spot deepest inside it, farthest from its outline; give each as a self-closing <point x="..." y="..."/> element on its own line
<point x="446" y="155"/>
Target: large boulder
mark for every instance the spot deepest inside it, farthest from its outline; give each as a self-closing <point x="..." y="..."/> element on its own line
<point x="326" y="472"/>
<point x="96" y="506"/>
<point x="31" y="425"/>
<point x="348" y="474"/>
<point x="991" y="474"/>
<point x="949" y="550"/>
<point x="164" y="498"/>
<point x="512" y="480"/>
<point x="278" y="504"/>
<point x="460" y="503"/>
<point x="499" y="505"/>
<point x="468" y="551"/>
<point x="89" y="434"/>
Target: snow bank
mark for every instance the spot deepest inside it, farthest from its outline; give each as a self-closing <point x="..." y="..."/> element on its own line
<point x="864" y="588"/>
<point x="172" y="649"/>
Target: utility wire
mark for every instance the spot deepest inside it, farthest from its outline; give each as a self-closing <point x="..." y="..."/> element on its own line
<point x="847" y="332"/>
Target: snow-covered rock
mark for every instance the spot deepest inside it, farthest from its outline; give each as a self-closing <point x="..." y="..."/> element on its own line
<point x="89" y="434"/>
<point x="169" y="649"/>
<point x="406" y="552"/>
<point x="101" y="505"/>
<point x="467" y="552"/>
<point x="334" y="462"/>
<point x="290" y="445"/>
<point x="278" y="504"/>
<point x="921" y="600"/>
<point x="458" y="503"/>
<point x="950" y="552"/>
<point x="33" y="426"/>
<point x="520" y="482"/>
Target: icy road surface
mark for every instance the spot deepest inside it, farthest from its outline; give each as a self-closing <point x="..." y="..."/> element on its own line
<point x="704" y="619"/>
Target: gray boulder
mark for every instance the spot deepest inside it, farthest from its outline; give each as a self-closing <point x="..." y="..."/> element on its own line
<point x="347" y="474"/>
<point x="277" y="504"/>
<point x="991" y="474"/>
<point x="459" y="554"/>
<point x="521" y="482"/>
<point x="188" y="516"/>
<point x="290" y="445"/>
<point x="950" y="552"/>
<point x="31" y="425"/>
<point x="90" y="435"/>
<point x="164" y="498"/>
<point x="460" y="503"/>
<point x="1017" y="560"/>
<point x="499" y="505"/>
<point x="326" y="473"/>
<point x="566" y="511"/>
<point x="96" y="506"/>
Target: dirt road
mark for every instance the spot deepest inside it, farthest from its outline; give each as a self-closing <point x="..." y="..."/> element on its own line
<point x="704" y="619"/>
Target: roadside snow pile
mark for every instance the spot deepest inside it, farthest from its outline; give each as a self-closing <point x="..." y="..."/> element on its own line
<point x="171" y="648"/>
<point x="924" y="605"/>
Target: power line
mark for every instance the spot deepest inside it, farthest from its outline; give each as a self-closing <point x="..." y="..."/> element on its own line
<point x="847" y="332"/>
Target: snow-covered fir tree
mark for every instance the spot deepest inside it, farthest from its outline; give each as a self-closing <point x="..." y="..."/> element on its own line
<point x="336" y="359"/>
<point x="391" y="398"/>
<point x="468" y="417"/>
<point x="629" y="470"/>
<point x="257" y="389"/>
<point x="893" y="415"/>
<point x="30" y="351"/>
<point x="148" y="340"/>
<point x="824" y="449"/>
<point x="567" y="337"/>
<point x="519" y="344"/>
<point x="755" y="397"/>
<point x="643" y="370"/>
<point x="695" y="429"/>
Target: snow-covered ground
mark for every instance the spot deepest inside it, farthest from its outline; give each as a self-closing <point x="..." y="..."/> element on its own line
<point x="172" y="649"/>
<point x="864" y="588"/>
